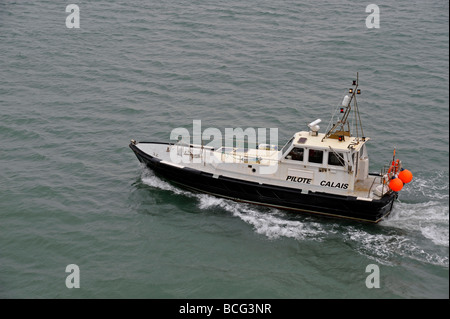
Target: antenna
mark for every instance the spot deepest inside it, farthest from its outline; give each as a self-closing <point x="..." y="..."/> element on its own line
<point x="341" y="128"/>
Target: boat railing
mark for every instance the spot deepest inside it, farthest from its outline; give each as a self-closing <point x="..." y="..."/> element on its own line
<point x="384" y="179"/>
<point x="227" y="154"/>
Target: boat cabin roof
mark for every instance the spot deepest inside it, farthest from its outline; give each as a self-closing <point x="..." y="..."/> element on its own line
<point x="308" y="140"/>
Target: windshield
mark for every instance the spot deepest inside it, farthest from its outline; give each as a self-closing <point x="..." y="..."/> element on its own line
<point x="287" y="146"/>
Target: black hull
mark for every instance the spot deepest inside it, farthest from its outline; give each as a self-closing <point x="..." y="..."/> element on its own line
<point x="269" y="195"/>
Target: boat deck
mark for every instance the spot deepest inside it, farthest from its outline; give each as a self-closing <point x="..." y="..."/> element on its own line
<point x="365" y="187"/>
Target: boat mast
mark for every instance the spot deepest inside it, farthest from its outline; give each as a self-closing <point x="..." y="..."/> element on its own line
<point x="341" y="128"/>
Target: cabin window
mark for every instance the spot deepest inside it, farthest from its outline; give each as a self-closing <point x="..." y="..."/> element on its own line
<point x="315" y="156"/>
<point x="287" y="146"/>
<point x="296" y="154"/>
<point x="336" y="159"/>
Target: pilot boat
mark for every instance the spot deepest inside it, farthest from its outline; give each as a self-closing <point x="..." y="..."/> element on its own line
<point x="325" y="174"/>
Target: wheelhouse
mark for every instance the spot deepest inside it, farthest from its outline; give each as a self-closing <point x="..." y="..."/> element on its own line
<point x="328" y="162"/>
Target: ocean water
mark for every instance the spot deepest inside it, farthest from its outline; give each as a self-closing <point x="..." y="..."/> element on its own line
<point x="72" y="192"/>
